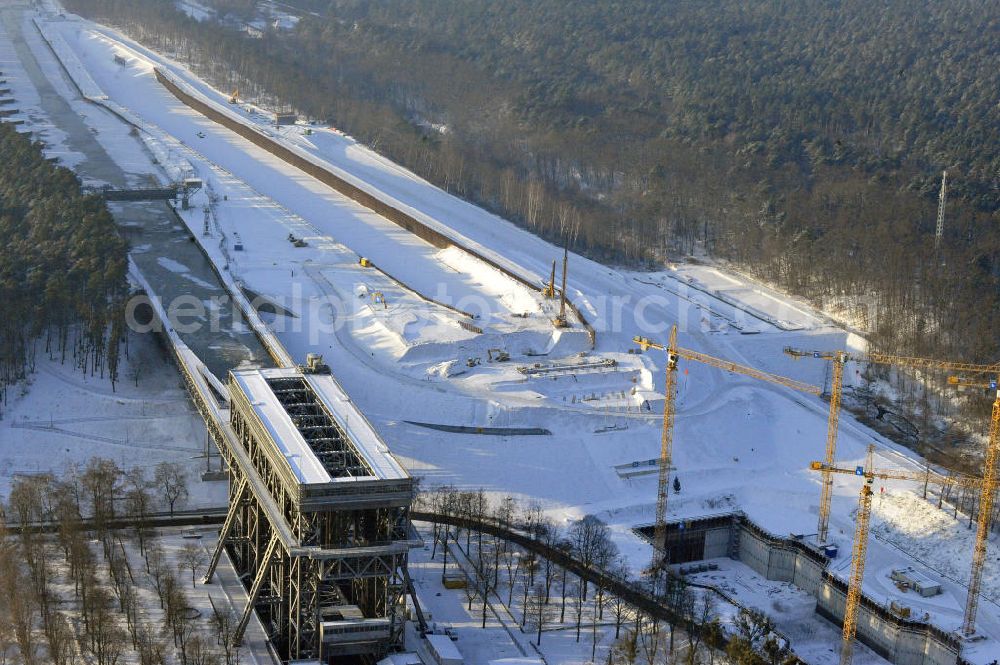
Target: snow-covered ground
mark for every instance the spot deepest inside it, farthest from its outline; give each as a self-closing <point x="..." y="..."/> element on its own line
<point x="62" y="415"/>
<point x="738" y="443"/>
<point x="503" y="638"/>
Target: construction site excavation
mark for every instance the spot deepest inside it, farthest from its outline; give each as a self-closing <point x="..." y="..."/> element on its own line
<point x="357" y="419"/>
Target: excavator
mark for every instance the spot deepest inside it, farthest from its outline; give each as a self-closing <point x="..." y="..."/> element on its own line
<point x="497" y="355"/>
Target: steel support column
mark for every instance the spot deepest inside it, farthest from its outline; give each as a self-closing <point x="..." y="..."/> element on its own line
<point x="234" y="506"/>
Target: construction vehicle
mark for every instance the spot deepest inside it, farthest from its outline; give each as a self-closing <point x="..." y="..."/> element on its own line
<point x="365" y="262"/>
<point x="314" y="365"/>
<point x="860" y="548"/>
<point x="674" y="355"/>
<point x="497" y="355"/>
<point x="989" y="479"/>
<point x="234" y="96"/>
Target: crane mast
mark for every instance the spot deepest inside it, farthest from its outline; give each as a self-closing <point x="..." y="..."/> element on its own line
<point x="983" y="522"/>
<point x="826" y="490"/>
<point x="674" y="354"/>
<point x="858" y="555"/>
<point x="860" y="551"/>
<point x="860" y="545"/>
<point x="988" y="482"/>
<point x="839" y="359"/>
<point x="666" y="453"/>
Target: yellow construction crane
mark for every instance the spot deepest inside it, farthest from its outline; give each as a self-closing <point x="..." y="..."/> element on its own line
<point x="989" y="478"/>
<point x="234" y="96"/>
<point x="989" y="485"/>
<point x="674" y="354"/>
<point x="839" y="359"/>
<point x="860" y="548"/>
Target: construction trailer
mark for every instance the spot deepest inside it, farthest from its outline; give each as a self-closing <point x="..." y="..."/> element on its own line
<point x="318" y="523"/>
<point x="443" y="650"/>
<point x="914" y="579"/>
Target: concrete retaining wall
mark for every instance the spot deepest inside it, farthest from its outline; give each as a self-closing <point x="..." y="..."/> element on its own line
<point x="898" y="640"/>
<point x="350" y="190"/>
<point x="718" y="542"/>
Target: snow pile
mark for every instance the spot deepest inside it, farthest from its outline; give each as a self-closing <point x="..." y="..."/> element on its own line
<point x="934" y="538"/>
<point x="516" y="297"/>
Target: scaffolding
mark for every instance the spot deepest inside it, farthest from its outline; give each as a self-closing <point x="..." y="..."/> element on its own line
<point x="318" y="521"/>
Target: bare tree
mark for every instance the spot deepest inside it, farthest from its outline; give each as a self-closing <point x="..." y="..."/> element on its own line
<point x="138" y="503"/>
<point x="81" y="565"/>
<point x="537" y="612"/>
<point x="198" y="651"/>
<point x="101" y="483"/>
<point x="6" y="637"/>
<point x="157" y="570"/>
<point x="60" y="640"/>
<point x="550" y="536"/>
<point x="595" y="635"/>
<point x="625" y="650"/>
<point x="149" y="647"/>
<point x="617" y="604"/>
<point x="701" y="612"/>
<point x="171" y="479"/>
<point x="106" y="639"/>
<point x="511" y="564"/>
<point x="591" y="543"/>
<point x="224" y="626"/>
<point x="179" y="619"/>
<point x="192" y="557"/>
<point x="471" y="588"/>
<point x="579" y="603"/>
<point x="486" y="576"/>
<point x="66" y="512"/>
<point x="714" y="638"/>
<point x="6" y="633"/>
<point x="20" y="607"/>
<point x="28" y="499"/>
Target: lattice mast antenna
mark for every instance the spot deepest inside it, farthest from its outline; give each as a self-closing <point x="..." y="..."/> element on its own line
<point x="940" y="216"/>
